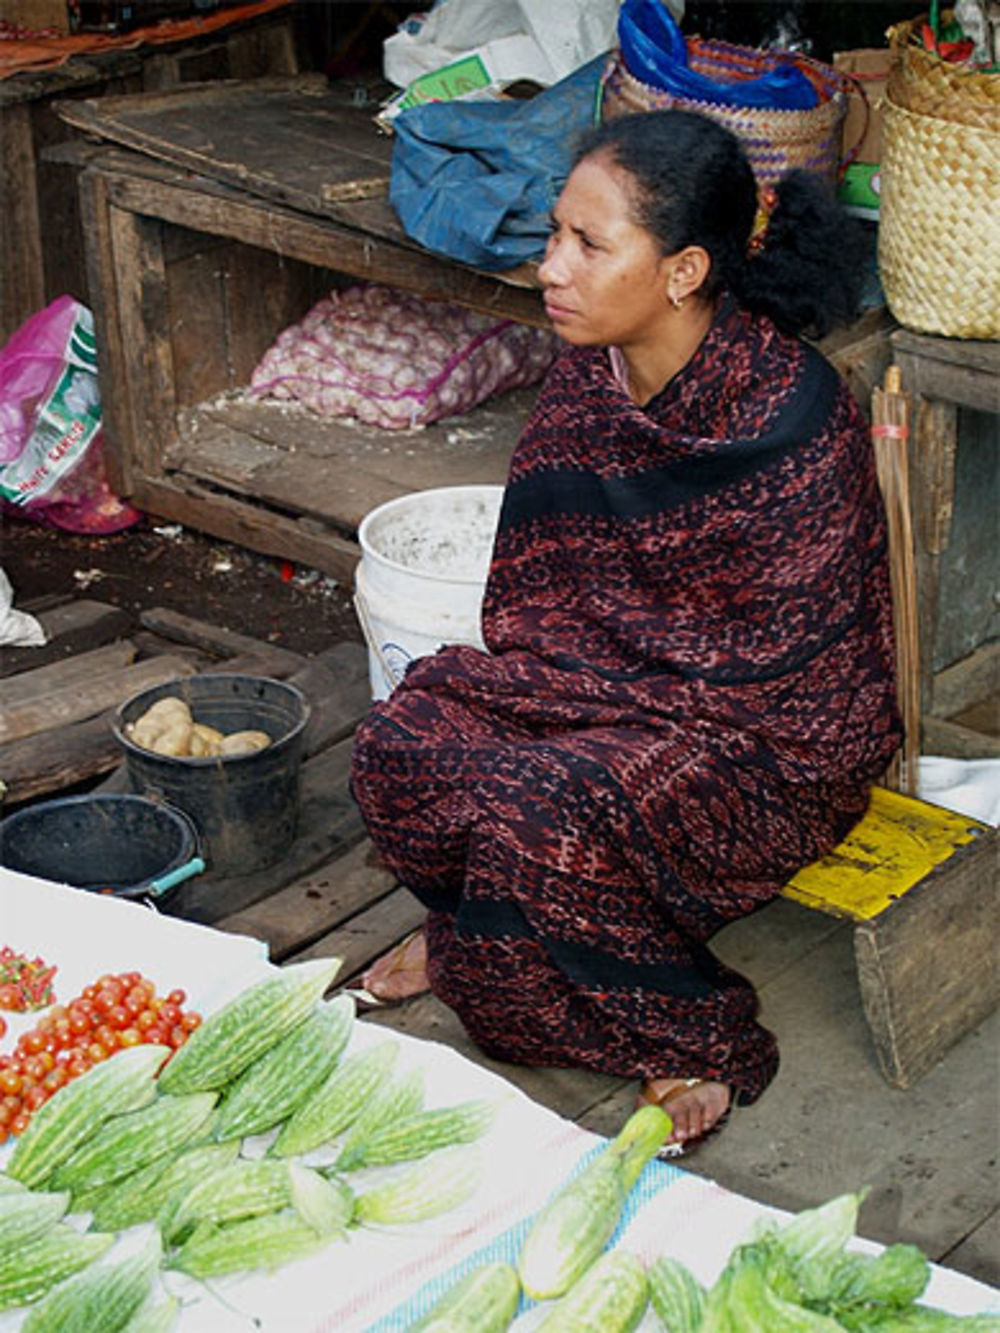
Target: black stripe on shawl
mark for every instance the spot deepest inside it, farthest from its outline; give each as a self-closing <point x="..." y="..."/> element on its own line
<point x="678" y="483"/>
<point x="587" y="966"/>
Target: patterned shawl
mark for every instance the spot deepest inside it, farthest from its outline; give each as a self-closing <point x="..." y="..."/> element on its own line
<point x="717" y="557"/>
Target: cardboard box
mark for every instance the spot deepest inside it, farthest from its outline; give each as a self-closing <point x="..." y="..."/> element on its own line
<point x="36" y="14"/>
<point x="862" y="131"/>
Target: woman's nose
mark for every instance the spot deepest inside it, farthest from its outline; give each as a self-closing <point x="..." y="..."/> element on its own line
<point x="551" y="271"/>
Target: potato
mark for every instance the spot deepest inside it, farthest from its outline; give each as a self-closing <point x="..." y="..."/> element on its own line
<point x="167" y="707"/>
<point x="205" y="740"/>
<point x="244" y="742"/>
<point x="173" y="740"/>
<point x="157" y="720"/>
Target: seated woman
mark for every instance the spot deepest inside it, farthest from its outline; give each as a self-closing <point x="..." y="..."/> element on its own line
<point x="689" y="684"/>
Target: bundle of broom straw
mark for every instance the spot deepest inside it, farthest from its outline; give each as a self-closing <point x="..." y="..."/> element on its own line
<point x="890" y="432"/>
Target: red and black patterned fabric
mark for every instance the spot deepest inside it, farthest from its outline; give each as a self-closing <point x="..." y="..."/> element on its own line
<point x="688" y="692"/>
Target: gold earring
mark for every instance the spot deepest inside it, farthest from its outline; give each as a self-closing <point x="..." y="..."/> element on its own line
<point x="676" y="301"/>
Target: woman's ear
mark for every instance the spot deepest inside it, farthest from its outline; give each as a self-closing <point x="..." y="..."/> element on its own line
<point x="687" y="271"/>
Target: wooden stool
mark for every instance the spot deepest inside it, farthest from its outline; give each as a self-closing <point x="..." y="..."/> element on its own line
<point x="920" y="884"/>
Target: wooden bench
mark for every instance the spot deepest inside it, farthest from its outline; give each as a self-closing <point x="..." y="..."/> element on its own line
<point x="919" y="882"/>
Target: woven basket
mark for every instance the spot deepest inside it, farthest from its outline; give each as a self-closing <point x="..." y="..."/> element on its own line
<point x="922" y="82"/>
<point x="939" y="215"/>
<point x="774" y="141"/>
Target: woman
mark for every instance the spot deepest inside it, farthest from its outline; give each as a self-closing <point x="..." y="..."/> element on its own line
<point x="689" y="683"/>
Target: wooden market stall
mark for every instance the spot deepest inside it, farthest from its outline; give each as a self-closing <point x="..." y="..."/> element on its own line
<point x="236" y="207"/>
<point x="215" y="215"/>
<point x="42" y="256"/>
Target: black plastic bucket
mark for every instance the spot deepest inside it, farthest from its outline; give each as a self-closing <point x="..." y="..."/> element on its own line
<point x="245" y="807"/>
<point x="117" y="844"/>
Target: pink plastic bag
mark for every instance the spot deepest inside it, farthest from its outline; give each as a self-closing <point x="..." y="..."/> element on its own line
<point x="51" y="460"/>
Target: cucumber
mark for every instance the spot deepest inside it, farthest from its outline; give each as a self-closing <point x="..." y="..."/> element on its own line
<point x="578" y="1221"/>
<point x="484" y="1301"/>
<point x="611" y="1297"/>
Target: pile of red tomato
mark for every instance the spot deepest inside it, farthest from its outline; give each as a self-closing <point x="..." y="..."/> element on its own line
<point x="117" y="1010"/>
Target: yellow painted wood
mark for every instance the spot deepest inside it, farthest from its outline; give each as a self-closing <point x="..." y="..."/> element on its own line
<point x="897" y="843"/>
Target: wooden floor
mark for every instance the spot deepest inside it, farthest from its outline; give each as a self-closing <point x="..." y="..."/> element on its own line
<point x="328" y="895"/>
<point x="828" y="1123"/>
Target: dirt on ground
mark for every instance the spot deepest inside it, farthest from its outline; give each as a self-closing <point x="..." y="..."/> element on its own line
<point x="158" y="564"/>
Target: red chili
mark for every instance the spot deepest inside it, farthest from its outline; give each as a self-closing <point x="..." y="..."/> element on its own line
<point x="25" y="983"/>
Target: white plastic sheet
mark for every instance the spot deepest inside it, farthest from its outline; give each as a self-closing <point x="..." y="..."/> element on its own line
<point x="542" y="40"/>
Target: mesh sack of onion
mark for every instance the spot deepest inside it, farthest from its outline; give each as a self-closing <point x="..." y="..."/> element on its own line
<point x="395" y="360"/>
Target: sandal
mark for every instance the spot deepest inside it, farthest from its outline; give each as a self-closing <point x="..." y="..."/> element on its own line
<point x="683" y="1147"/>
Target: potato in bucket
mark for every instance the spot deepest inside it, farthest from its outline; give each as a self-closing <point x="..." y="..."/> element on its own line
<point x="243" y="799"/>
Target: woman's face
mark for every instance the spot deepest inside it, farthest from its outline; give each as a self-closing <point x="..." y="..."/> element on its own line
<point x="604" y="278"/>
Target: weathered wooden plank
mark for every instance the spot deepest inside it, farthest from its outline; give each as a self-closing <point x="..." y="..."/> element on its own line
<point x="22" y="289"/>
<point x="342" y="487"/>
<point x="957" y="370"/>
<point x="968" y="682"/>
<point x="329" y="823"/>
<point x="310" y="908"/>
<point x="139" y="282"/>
<point x="70" y="628"/>
<point x="72" y="671"/>
<point x="955" y="741"/>
<point x="289" y="139"/>
<point x="928" y="965"/>
<point x="50" y="761"/>
<point x="305" y="540"/>
<point x="339" y="693"/>
<point x="86" y="699"/>
<point x="362" y="938"/>
<point x="221" y="211"/>
<point x="216" y="640"/>
<point x="121" y="463"/>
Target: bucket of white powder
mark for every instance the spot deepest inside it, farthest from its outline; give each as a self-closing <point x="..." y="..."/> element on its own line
<point x="420" y="582"/>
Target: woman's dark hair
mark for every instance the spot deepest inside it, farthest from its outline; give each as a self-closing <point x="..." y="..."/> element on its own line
<point x="695" y="186"/>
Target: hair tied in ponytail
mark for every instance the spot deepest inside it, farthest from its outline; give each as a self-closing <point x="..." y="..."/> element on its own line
<point x="767" y="198"/>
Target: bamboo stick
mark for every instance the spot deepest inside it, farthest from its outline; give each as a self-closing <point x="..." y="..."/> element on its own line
<point x="890" y="433"/>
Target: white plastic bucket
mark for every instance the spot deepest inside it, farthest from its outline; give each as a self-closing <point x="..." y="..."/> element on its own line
<point x="422" y="574"/>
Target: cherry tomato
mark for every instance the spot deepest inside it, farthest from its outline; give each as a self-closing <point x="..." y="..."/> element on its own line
<point x="55" y="1079"/>
<point x="115" y="1011"/>
<point x="34" y="1097"/>
<point x="118" y="1017"/>
<point x="10" y="1082"/>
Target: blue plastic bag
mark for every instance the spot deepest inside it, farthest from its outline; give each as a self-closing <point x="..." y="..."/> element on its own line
<point x="477" y="181"/>
<point x="655" y="52"/>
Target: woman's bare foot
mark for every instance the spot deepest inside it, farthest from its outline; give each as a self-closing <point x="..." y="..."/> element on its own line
<point x="695" y="1105"/>
<point x="401" y="973"/>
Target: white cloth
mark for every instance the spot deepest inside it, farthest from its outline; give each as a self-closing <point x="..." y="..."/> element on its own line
<point x="17" y="628"/>
<point x="380" y="1281"/>
<point x="969" y="786"/>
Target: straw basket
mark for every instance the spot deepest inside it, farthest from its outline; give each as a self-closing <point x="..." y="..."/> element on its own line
<point x="774" y="141"/>
<point x="939" y="216"/>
